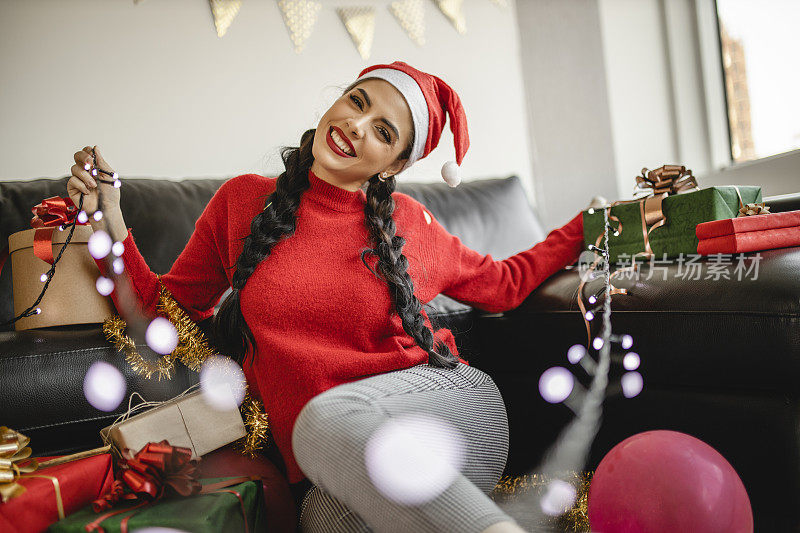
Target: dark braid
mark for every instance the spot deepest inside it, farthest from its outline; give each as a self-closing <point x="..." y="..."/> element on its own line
<point x="393" y="266"/>
<point x="231" y="332"/>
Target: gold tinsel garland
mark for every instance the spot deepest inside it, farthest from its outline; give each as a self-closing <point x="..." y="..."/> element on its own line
<point x="575" y="519"/>
<point x="192" y="350"/>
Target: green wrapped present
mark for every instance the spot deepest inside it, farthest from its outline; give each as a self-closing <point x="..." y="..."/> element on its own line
<point x="663" y="223"/>
<point x="237" y="507"/>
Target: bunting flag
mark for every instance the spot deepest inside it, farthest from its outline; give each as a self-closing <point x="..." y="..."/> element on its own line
<point x="299" y="17"/>
<point x="410" y="15"/>
<point x="360" y="24"/>
<point x="224" y="12"/>
<point x="454" y="11"/>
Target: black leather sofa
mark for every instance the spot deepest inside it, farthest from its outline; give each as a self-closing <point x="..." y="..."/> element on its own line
<point x="720" y="359"/>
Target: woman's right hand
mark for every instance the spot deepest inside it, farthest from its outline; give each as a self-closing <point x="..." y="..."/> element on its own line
<point x="83" y="182"/>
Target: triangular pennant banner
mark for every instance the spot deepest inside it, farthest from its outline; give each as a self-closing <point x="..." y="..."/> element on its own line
<point x="299" y="17"/>
<point x="224" y="12"/>
<point x="454" y="10"/>
<point x="410" y="15"/>
<point x="360" y="24"/>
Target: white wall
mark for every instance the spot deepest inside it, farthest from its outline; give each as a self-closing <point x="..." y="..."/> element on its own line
<point x="565" y="80"/>
<point x="162" y="96"/>
<point x="666" y="97"/>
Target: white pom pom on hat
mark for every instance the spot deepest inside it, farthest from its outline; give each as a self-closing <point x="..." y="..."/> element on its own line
<point x="450" y="173"/>
<point x="429" y="98"/>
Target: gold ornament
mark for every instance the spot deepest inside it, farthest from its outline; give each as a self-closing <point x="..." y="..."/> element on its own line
<point x="753" y="209"/>
<point x="410" y="15"/>
<point x="575" y="519"/>
<point x="224" y="12"/>
<point x="454" y="11"/>
<point x="257" y="424"/>
<point x="192" y="348"/>
<point x="114" y="330"/>
<point x="299" y="17"/>
<point x="360" y="24"/>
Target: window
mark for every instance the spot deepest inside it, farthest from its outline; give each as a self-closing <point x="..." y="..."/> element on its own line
<point x="759" y="44"/>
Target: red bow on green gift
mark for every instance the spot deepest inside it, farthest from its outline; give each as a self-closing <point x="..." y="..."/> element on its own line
<point x="48" y="215"/>
<point x="148" y="474"/>
<point x="155" y="470"/>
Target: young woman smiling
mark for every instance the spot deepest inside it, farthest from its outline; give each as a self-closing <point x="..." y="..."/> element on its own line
<point x="326" y="311"/>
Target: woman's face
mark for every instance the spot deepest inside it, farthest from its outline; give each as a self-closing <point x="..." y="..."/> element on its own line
<point x="373" y="123"/>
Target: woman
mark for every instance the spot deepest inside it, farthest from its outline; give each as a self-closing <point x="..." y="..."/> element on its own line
<point x="326" y="310"/>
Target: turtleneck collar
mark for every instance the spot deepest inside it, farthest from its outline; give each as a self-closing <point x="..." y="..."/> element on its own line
<point x="334" y="197"/>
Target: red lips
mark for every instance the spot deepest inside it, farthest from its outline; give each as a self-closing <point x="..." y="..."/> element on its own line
<point x="333" y="145"/>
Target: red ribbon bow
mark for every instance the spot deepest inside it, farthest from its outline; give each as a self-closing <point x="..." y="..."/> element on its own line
<point x="48" y="215"/>
<point x="154" y="470"/>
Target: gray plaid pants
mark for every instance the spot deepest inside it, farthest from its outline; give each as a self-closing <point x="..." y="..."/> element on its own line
<point x="331" y="435"/>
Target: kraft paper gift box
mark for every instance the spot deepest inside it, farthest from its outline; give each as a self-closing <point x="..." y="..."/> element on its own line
<point x="188" y="421"/>
<point x="682" y="212"/>
<point x="71" y="296"/>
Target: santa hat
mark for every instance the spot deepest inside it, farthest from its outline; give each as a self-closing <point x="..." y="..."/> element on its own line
<point x="428" y="97"/>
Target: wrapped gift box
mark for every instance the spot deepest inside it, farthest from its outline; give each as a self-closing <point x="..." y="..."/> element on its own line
<point x="72" y="296"/>
<point x="79" y="483"/>
<point x="188" y="421"/>
<point x="683" y="212"/>
<point x="749" y="234"/>
<point x="216" y="511"/>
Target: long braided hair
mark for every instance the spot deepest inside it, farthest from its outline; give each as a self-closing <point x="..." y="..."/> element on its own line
<point x="278" y="220"/>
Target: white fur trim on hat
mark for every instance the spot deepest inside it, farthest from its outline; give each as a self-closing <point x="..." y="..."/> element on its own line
<point x="416" y="102"/>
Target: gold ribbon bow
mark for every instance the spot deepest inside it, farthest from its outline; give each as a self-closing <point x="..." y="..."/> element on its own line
<point x="14" y="450"/>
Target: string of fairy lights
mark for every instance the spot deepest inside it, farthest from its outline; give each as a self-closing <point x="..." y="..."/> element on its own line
<point x="559" y="385"/>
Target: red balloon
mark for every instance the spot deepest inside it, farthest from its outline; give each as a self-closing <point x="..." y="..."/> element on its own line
<point x="665" y="482"/>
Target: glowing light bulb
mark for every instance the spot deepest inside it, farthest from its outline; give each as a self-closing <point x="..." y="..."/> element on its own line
<point x="632" y="384"/>
<point x="222" y="383"/>
<point x="616" y="233"/>
<point x="38" y="310"/>
<point x="117" y="184"/>
<point x="83" y="218"/>
<point x="413" y="458"/>
<point x="627" y="341"/>
<point x="114" y="176"/>
<point x="631" y="361"/>
<point x="556" y="384"/>
<point x="98" y="215"/>
<point x="119" y="265"/>
<point x="94" y="172"/>
<point x="559" y="498"/>
<point x="161" y="336"/>
<point x="43" y="278"/>
<point x="592" y="299"/>
<point x="104" y="386"/>
<point x="104" y="285"/>
<point x="589" y="315"/>
<point x="576" y="353"/>
<point x="591" y="210"/>
<point x="118" y="248"/>
<point x="61" y="228"/>
<point x="597" y="343"/>
<point x="99" y="244"/>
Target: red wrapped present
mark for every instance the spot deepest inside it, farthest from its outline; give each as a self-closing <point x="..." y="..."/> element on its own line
<point x="749" y="233"/>
<point x="53" y="492"/>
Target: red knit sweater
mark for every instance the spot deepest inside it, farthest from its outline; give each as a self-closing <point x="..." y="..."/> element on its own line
<point x="319" y="317"/>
